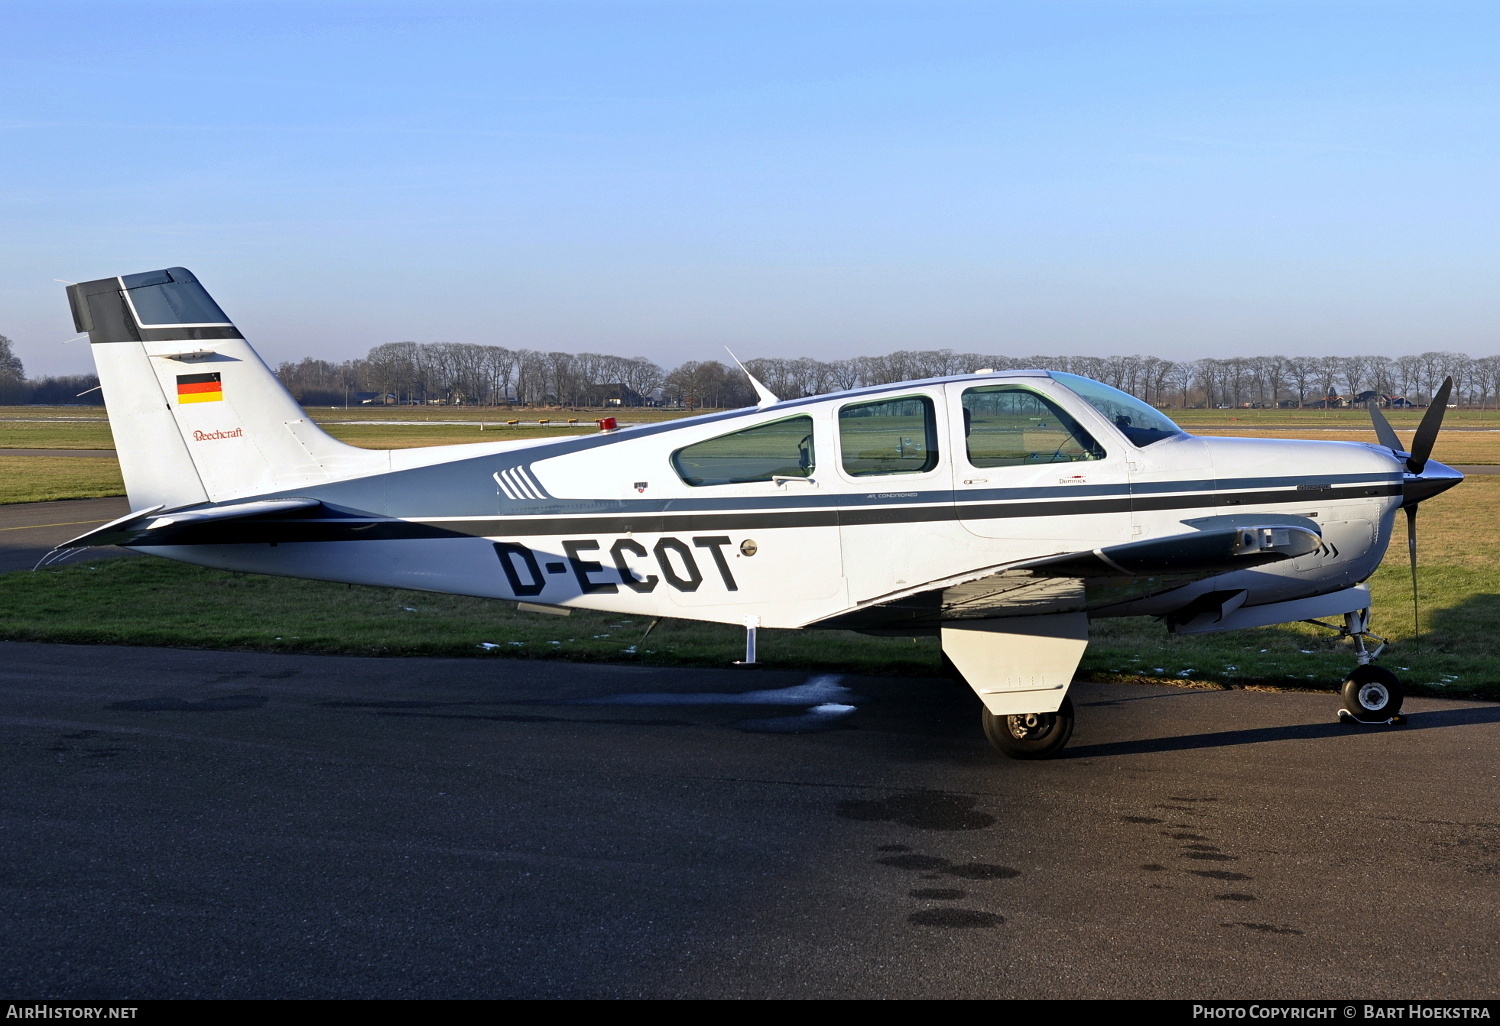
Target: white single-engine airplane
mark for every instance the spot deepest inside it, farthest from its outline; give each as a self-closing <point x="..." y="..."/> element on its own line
<point x="999" y="511"/>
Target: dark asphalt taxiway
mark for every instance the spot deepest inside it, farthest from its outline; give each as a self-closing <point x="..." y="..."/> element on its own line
<point x="29" y="530"/>
<point x="216" y="824"/>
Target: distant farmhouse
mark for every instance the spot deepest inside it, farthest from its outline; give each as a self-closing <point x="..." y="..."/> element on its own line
<point x="618" y="394"/>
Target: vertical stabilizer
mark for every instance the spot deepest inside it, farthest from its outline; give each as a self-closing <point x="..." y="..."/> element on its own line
<point x="196" y="415"/>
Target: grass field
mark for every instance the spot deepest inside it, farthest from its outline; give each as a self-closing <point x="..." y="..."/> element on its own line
<point x="493" y="414"/>
<point x="1356" y="417"/>
<point x="44" y="478"/>
<point x="1452" y="446"/>
<point x="408" y="436"/>
<point x="73" y="427"/>
<point x="69" y="427"/>
<point x="156" y="602"/>
<point x="52" y="432"/>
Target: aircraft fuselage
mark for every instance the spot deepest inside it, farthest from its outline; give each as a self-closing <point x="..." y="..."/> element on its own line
<point x="611" y="522"/>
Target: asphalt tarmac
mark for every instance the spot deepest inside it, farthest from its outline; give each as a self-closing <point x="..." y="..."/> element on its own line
<point x="211" y="824"/>
<point x="29" y="530"/>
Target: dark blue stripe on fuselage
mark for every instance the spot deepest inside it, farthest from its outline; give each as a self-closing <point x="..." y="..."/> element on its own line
<point x="896" y="497"/>
<point x="789" y="512"/>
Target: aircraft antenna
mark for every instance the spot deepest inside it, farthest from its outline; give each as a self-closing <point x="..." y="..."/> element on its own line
<point x="764" y="394"/>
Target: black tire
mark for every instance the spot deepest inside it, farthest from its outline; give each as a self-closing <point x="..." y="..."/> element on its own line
<point x="1034" y="736"/>
<point x="1373" y="693"/>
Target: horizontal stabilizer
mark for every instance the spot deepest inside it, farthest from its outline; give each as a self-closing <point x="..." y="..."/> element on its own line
<point x="106" y="533"/>
<point x="138" y="527"/>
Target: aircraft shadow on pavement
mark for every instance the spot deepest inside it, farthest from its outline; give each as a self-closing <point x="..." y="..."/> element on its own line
<point x="1158" y="696"/>
<point x="1297" y="732"/>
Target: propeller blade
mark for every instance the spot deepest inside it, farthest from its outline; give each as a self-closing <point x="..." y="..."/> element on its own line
<point x="1411" y="548"/>
<point x="1427" y="431"/>
<point x="1383" y="429"/>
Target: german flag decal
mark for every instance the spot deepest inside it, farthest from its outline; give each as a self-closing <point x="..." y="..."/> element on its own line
<point x="199" y="388"/>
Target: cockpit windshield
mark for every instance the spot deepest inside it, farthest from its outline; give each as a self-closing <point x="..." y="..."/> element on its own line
<point x="1140" y="424"/>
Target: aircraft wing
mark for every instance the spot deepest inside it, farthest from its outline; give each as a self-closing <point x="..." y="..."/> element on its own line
<point x="1075" y="581"/>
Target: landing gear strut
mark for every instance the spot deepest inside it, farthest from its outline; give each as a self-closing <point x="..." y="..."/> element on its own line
<point x="1372" y="694"/>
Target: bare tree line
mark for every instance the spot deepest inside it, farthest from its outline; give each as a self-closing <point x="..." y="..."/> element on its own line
<point x="1235" y="381"/>
<point x="494" y="375"/>
<point x="472" y="374"/>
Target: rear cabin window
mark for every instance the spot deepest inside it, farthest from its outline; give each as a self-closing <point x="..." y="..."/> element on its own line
<point x="1007" y="426"/>
<point x="895" y="436"/>
<point x="782" y="448"/>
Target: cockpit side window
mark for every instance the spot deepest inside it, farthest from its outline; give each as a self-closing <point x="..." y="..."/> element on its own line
<point x="892" y="436"/>
<point x="782" y="448"/>
<point x="1009" y="426"/>
<point x="1140" y="424"/>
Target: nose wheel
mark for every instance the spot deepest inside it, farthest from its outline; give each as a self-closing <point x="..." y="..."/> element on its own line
<point x="1372" y="694"/>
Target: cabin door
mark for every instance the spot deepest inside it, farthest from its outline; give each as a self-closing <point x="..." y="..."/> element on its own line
<point x="1028" y="476"/>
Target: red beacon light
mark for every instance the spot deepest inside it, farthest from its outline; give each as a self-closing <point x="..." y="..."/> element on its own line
<point x="607" y="424"/>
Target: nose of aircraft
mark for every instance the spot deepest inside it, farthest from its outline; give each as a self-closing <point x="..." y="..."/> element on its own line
<point x="1424" y="477"/>
<point x="1255" y="458"/>
<point x="1435" y="478"/>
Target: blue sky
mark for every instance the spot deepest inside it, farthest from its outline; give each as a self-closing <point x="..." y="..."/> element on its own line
<point x="825" y="179"/>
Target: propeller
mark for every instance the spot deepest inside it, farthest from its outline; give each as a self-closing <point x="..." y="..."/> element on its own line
<point x="1427" y="431"/>
<point x="1418" y="485"/>
<point x="1411" y="551"/>
<point x="1383" y="429"/>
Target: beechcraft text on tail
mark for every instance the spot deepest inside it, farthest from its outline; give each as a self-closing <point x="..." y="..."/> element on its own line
<point x="1002" y="512"/>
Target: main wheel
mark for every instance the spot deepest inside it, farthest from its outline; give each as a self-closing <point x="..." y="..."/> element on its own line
<point x="1030" y="735"/>
<point x="1373" y="693"/>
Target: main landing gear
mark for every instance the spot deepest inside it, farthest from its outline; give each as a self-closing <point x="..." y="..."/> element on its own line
<point x="1372" y="694"/>
<point x="1020" y="668"/>
<point x="1030" y="735"/>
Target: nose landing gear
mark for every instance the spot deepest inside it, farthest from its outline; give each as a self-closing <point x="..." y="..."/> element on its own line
<point x="1372" y="694"/>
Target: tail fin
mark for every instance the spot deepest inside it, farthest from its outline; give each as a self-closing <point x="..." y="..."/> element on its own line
<point x="196" y="415"/>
